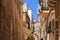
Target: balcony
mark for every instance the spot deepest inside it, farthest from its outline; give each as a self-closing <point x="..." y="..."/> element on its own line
<point x="45" y="8"/>
<point x="51" y="3"/>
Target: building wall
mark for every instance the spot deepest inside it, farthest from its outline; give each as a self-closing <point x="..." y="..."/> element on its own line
<point x="52" y="17"/>
<point x="10" y="20"/>
<point x="26" y="24"/>
<point x="54" y="4"/>
<point x="59" y="21"/>
<point x="49" y="27"/>
<point x="58" y="16"/>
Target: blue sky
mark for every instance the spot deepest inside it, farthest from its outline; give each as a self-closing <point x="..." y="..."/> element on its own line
<point x="33" y="5"/>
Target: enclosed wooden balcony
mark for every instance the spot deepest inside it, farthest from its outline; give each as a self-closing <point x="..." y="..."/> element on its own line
<point x="51" y="3"/>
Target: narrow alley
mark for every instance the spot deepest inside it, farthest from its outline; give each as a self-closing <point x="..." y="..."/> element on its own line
<point x="29" y="19"/>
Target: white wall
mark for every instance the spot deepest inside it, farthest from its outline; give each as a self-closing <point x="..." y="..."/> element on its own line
<point x="30" y="14"/>
<point x="25" y="7"/>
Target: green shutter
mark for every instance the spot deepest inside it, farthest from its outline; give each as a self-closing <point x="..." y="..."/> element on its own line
<point x="45" y="8"/>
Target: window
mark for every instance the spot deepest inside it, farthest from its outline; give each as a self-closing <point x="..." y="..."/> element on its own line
<point x="33" y="28"/>
<point x="52" y="26"/>
<point x="28" y="25"/>
<point x="49" y="27"/>
<point x="56" y="24"/>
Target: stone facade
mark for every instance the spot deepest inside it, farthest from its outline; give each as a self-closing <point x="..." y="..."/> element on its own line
<point x="54" y="4"/>
<point x="11" y="20"/>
